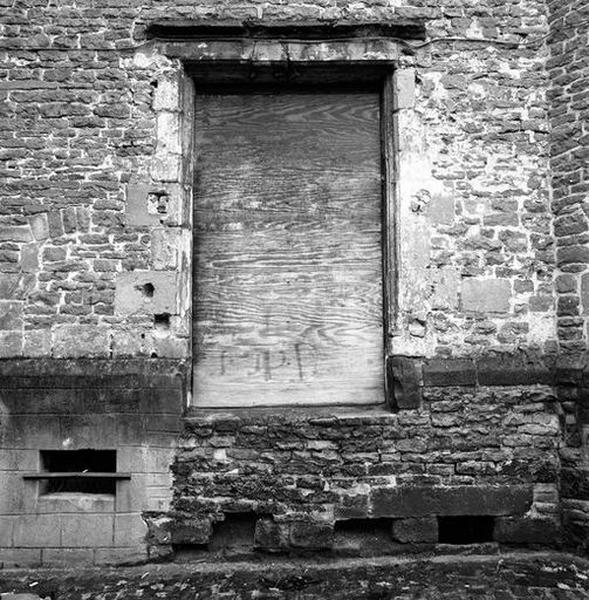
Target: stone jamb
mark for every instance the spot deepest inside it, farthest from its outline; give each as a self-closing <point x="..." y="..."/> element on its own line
<point x="172" y="162"/>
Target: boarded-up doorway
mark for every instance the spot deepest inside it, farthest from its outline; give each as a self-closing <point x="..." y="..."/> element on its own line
<point x="287" y="248"/>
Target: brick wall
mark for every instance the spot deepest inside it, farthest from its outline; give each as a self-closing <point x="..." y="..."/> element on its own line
<point x="569" y="78"/>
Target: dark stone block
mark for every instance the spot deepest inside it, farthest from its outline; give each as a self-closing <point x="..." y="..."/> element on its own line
<point x="449" y="372"/>
<point x="311" y="535"/>
<point x="403" y="383"/>
<point x="514" y="369"/>
<point x="424" y="529"/>
<point x="514" y="530"/>
<point x="191" y="531"/>
<point x="421" y="501"/>
<point x="271" y="536"/>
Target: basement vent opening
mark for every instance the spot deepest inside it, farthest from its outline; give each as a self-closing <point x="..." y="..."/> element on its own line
<point x="466" y="529"/>
<point x="78" y="471"/>
<point x="363" y="537"/>
<point x="235" y="534"/>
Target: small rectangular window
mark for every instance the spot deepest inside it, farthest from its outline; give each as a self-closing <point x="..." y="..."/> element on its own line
<point x="78" y="471"/>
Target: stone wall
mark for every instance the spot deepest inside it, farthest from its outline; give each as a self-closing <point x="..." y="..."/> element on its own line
<point x="95" y="265"/>
<point x="479" y="451"/>
<point x="96" y="200"/>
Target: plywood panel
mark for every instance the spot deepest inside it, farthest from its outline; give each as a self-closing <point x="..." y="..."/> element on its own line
<point x="287" y="250"/>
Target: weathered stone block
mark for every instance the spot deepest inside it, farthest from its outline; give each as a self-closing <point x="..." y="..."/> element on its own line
<point x="440" y="210"/>
<point x="191" y="531"/>
<point x="37" y="342"/>
<point x="524" y="530"/>
<point x="416" y="530"/>
<point x="81" y="340"/>
<point x="16" y="286"/>
<point x="39" y="226"/>
<point x="165" y="246"/>
<point x="420" y="501"/>
<point x="136" y="206"/>
<point x="445" y="282"/>
<point x="15" y="233"/>
<point x="11" y="315"/>
<point x="403" y="88"/>
<point x="11" y="343"/>
<point x="403" y="383"/>
<point x="514" y="369"/>
<point x="166" y="95"/>
<point x="449" y="372"/>
<point x="486" y="295"/>
<point x="271" y="536"/>
<point x="29" y="258"/>
<point x="311" y="535"/>
<point x="151" y="292"/>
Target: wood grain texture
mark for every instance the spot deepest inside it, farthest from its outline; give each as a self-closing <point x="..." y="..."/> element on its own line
<point x="287" y="243"/>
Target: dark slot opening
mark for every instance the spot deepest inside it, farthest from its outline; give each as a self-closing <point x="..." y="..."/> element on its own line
<point x="466" y="529"/>
<point x="80" y="462"/>
<point x="363" y="537"/>
<point x="234" y="534"/>
<point x="364" y="526"/>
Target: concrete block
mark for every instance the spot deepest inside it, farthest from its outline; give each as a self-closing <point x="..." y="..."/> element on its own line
<point x="145" y="459"/>
<point x="37" y="531"/>
<point x="11" y="314"/>
<point x="39" y="226"/>
<point x="118" y="556"/>
<point x="131" y="494"/>
<point x="15" y="493"/>
<point x="75" y="341"/>
<point x="136" y="206"/>
<point x="165" y="246"/>
<point x="416" y="530"/>
<point x="151" y="292"/>
<point x="485" y="295"/>
<point x="11" y="343"/>
<point x="130" y="530"/>
<point x="75" y="503"/>
<point x="20" y="557"/>
<point x="87" y="530"/>
<point x="403" y="88"/>
<point x="6" y="530"/>
<point x="67" y="557"/>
